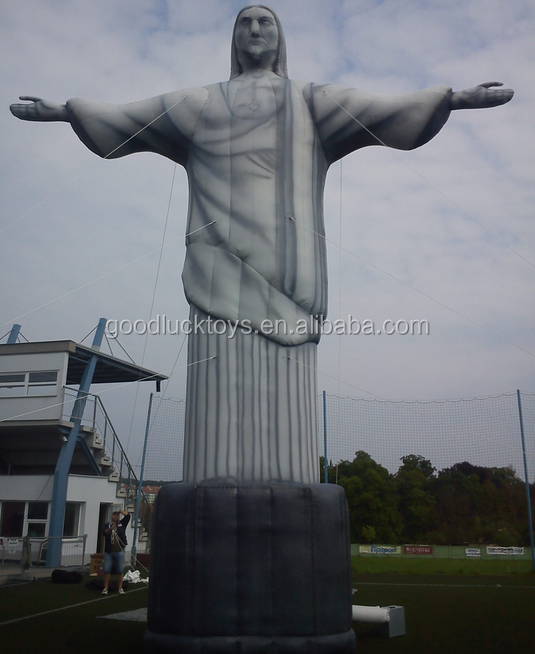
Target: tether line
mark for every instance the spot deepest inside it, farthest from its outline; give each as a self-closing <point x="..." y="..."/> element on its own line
<point x="429" y="297"/>
<point x="74" y="179"/>
<point x="152" y="302"/>
<point x="414" y="170"/>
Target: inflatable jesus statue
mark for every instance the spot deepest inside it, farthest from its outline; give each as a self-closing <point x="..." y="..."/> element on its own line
<point x="256" y="150"/>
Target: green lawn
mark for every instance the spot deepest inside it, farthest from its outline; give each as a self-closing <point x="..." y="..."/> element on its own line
<point x="426" y="566"/>
<point x="449" y="613"/>
<point x="74" y="630"/>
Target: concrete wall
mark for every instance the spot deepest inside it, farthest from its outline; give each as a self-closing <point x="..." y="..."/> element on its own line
<point x="89" y="491"/>
<point x="93" y="491"/>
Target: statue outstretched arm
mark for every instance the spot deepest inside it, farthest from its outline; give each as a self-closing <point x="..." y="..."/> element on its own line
<point x="348" y="119"/>
<point x="37" y="109"/>
<point x="163" y="124"/>
<point x="481" y="96"/>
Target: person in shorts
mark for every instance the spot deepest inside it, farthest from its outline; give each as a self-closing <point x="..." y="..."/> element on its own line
<point x="114" y="545"/>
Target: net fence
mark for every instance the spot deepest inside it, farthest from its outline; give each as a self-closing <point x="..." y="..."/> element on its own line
<point x="165" y="440"/>
<point x="483" y="431"/>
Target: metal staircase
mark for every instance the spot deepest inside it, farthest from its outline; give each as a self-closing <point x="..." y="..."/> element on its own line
<point x="101" y="444"/>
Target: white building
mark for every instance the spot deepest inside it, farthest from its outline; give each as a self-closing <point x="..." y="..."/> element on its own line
<point x="62" y="467"/>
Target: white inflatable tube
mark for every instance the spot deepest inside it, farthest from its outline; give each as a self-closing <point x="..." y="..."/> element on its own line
<point x="374" y="614"/>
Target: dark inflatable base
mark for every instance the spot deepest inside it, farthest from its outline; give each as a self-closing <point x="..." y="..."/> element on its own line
<point x="250" y="569"/>
<point x="169" y="644"/>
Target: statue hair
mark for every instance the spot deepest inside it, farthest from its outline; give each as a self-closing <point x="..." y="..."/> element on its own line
<point x="280" y="66"/>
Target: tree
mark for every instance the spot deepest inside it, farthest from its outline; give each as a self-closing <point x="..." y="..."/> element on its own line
<point x="478" y="504"/>
<point x="368" y="533"/>
<point x="416" y="500"/>
<point x="371" y="498"/>
<point x="460" y="504"/>
<point x="418" y="462"/>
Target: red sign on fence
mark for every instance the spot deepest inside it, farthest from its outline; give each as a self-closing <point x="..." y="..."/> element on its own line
<point x="418" y="549"/>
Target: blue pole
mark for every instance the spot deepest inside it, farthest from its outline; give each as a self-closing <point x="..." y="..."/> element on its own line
<point x="325" y="437"/>
<point x="13" y="334"/>
<point x="530" y="519"/>
<point x="140" y="489"/>
<point x="63" y="465"/>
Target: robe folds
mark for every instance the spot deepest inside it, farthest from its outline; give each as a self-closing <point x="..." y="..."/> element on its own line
<point x="257" y="150"/>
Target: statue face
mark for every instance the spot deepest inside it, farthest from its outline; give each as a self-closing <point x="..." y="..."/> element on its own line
<point x="257" y="38"/>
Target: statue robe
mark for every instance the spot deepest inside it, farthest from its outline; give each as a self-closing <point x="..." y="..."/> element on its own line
<point x="256" y="150"/>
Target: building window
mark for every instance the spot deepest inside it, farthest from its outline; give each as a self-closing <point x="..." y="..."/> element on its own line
<point x="72" y="519"/>
<point x="37" y="510"/>
<point x="36" y="529"/>
<point x="37" y="518"/>
<point x="12" y="519"/>
<point x="12" y="384"/>
<point x="42" y="382"/>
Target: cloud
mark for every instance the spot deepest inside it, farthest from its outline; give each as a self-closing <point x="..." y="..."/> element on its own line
<point x="414" y="214"/>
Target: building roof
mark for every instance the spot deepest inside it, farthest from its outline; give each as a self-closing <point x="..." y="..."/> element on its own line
<point x="109" y="369"/>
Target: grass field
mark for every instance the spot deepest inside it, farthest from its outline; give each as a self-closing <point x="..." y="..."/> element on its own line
<point x="72" y="630"/>
<point x="451" y="613"/>
<point x="425" y="566"/>
<point x="445" y="612"/>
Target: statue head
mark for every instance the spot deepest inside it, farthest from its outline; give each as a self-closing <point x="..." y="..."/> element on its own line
<point x="258" y="42"/>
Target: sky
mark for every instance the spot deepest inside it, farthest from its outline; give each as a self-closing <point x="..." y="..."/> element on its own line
<point x="445" y="233"/>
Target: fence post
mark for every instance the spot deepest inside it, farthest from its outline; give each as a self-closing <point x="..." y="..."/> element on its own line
<point x="325" y="438"/>
<point x="94" y="413"/>
<point x="83" y="550"/>
<point x="530" y="519"/>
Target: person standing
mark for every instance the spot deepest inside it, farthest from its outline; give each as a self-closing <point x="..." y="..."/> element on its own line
<point x="115" y="542"/>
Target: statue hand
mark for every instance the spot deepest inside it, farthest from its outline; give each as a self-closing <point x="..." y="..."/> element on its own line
<point x="480" y="96"/>
<point x="40" y="110"/>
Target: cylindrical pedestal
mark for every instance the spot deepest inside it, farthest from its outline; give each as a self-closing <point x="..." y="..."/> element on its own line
<point x="250" y="569"/>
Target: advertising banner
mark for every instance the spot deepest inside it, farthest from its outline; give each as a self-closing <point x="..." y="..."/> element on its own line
<point x="379" y="549"/>
<point x="504" y="551"/>
<point x="418" y="549"/>
<point x="472" y="551"/>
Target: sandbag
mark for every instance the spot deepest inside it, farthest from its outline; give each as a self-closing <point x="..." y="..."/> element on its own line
<point x="62" y="576"/>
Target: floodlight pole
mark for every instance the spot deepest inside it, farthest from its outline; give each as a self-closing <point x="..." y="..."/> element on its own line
<point x="530" y="519"/>
<point x="140" y="489"/>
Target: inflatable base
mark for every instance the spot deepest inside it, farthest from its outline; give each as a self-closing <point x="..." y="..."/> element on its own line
<point x="250" y="569"/>
<point x="170" y="644"/>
